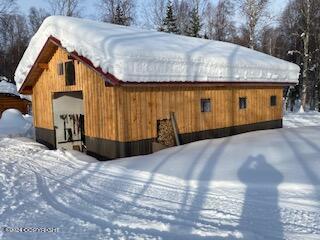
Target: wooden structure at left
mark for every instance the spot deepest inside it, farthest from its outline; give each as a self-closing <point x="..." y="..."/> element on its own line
<point x="8" y="101"/>
<point x="77" y="105"/>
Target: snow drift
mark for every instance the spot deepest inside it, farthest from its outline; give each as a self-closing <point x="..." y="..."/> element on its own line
<point x="14" y="124"/>
<point x="136" y="55"/>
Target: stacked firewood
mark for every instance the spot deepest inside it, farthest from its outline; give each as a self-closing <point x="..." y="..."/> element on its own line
<point x="166" y="133"/>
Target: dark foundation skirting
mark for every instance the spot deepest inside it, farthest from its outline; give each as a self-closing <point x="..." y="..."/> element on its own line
<point x="229" y="131"/>
<point x="104" y="149"/>
<point x="46" y="137"/>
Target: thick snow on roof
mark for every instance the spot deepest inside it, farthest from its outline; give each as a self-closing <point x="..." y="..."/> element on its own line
<point x="136" y="55"/>
<point x="10" y="88"/>
<point x="6" y="87"/>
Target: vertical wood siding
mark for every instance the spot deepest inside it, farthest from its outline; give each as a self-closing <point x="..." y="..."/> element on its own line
<point x="131" y="113"/>
<point x="145" y="105"/>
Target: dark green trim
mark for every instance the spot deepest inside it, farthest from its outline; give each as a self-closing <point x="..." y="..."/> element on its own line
<point x="46" y="137"/>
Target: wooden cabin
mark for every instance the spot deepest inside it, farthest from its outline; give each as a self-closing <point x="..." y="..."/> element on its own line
<point x="9" y="98"/>
<point x="78" y="103"/>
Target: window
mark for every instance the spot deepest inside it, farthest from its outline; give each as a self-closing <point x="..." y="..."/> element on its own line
<point x="60" y="69"/>
<point x="205" y="105"/>
<point x="70" y="73"/>
<point x="243" y="103"/>
<point x="273" y="101"/>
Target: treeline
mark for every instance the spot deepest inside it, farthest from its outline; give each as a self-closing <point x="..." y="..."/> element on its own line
<point x="293" y="36"/>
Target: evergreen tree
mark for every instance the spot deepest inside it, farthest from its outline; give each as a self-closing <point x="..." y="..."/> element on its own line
<point x="121" y="12"/>
<point x="119" y="17"/>
<point x="195" y="25"/>
<point x="170" y="22"/>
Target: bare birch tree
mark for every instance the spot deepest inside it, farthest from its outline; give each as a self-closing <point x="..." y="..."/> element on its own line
<point x="219" y="21"/>
<point x="36" y="17"/>
<point x="14" y="37"/>
<point x="71" y="8"/>
<point x="7" y="6"/>
<point x="153" y="13"/>
<point x="305" y="35"/>
<point x="254" y="11"/>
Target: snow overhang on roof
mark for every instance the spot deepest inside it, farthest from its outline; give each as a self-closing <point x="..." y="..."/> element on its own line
<point x="9" y="89"/>
<point x="144" y="56"/>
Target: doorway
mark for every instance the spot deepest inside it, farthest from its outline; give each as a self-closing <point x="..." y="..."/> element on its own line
<point x="69" y="120"/>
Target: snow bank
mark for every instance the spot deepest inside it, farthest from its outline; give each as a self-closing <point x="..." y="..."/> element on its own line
<point x="136" y="55"/>
<point x="13" y="124"/>
<point x="298" y="119"/>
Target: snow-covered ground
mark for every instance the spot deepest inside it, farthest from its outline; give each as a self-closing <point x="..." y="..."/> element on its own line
<point x="259" y="185"/>
<point x="297" y="119"/>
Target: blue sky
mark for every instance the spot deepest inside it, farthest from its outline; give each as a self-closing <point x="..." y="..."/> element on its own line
<point x="89" y="6"/>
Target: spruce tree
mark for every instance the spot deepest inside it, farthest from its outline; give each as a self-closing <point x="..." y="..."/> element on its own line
<point x="170" y="22"/>
<point x="195" y="25"/>
<point x="119" y="17"/>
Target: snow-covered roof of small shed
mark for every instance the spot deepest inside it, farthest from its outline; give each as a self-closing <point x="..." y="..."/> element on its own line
<point x="9" y="88"/>
<point x="137" y="55"/>
<point x="6" y="87"/>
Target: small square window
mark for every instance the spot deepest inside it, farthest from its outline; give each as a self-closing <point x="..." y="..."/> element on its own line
<point x="273" y="101"/>
<point x="205" y="105"/>
<point x="60" y="69"/>
<point x="243" y="103"/>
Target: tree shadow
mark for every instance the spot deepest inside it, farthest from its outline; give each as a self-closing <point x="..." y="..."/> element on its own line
<point x="294" y="142"/>
<point x="260" y="214"/>
<point x="192" y="211"/>
<point x="310" y="142"/>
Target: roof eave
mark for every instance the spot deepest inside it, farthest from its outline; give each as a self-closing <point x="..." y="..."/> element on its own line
<point x="212" y="83"/>
<point x="28" y="84"/>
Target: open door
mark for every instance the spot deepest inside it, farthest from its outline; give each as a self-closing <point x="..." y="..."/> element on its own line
<point x="69" y="120"/>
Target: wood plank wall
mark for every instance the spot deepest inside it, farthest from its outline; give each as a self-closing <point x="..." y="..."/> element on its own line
<point x="143" y="106"/>
<point x="131" y="113"/>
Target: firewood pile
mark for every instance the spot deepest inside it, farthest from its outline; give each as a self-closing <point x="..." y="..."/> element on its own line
<point x="166" y="133"/>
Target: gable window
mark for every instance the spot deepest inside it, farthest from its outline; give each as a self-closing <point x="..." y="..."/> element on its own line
<point x="206" y="105"/>
<point x="242" y="102"/>
<point x="70" y="73"/>
<point x="60" y="69"/>
<point x="273" y="101"/>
